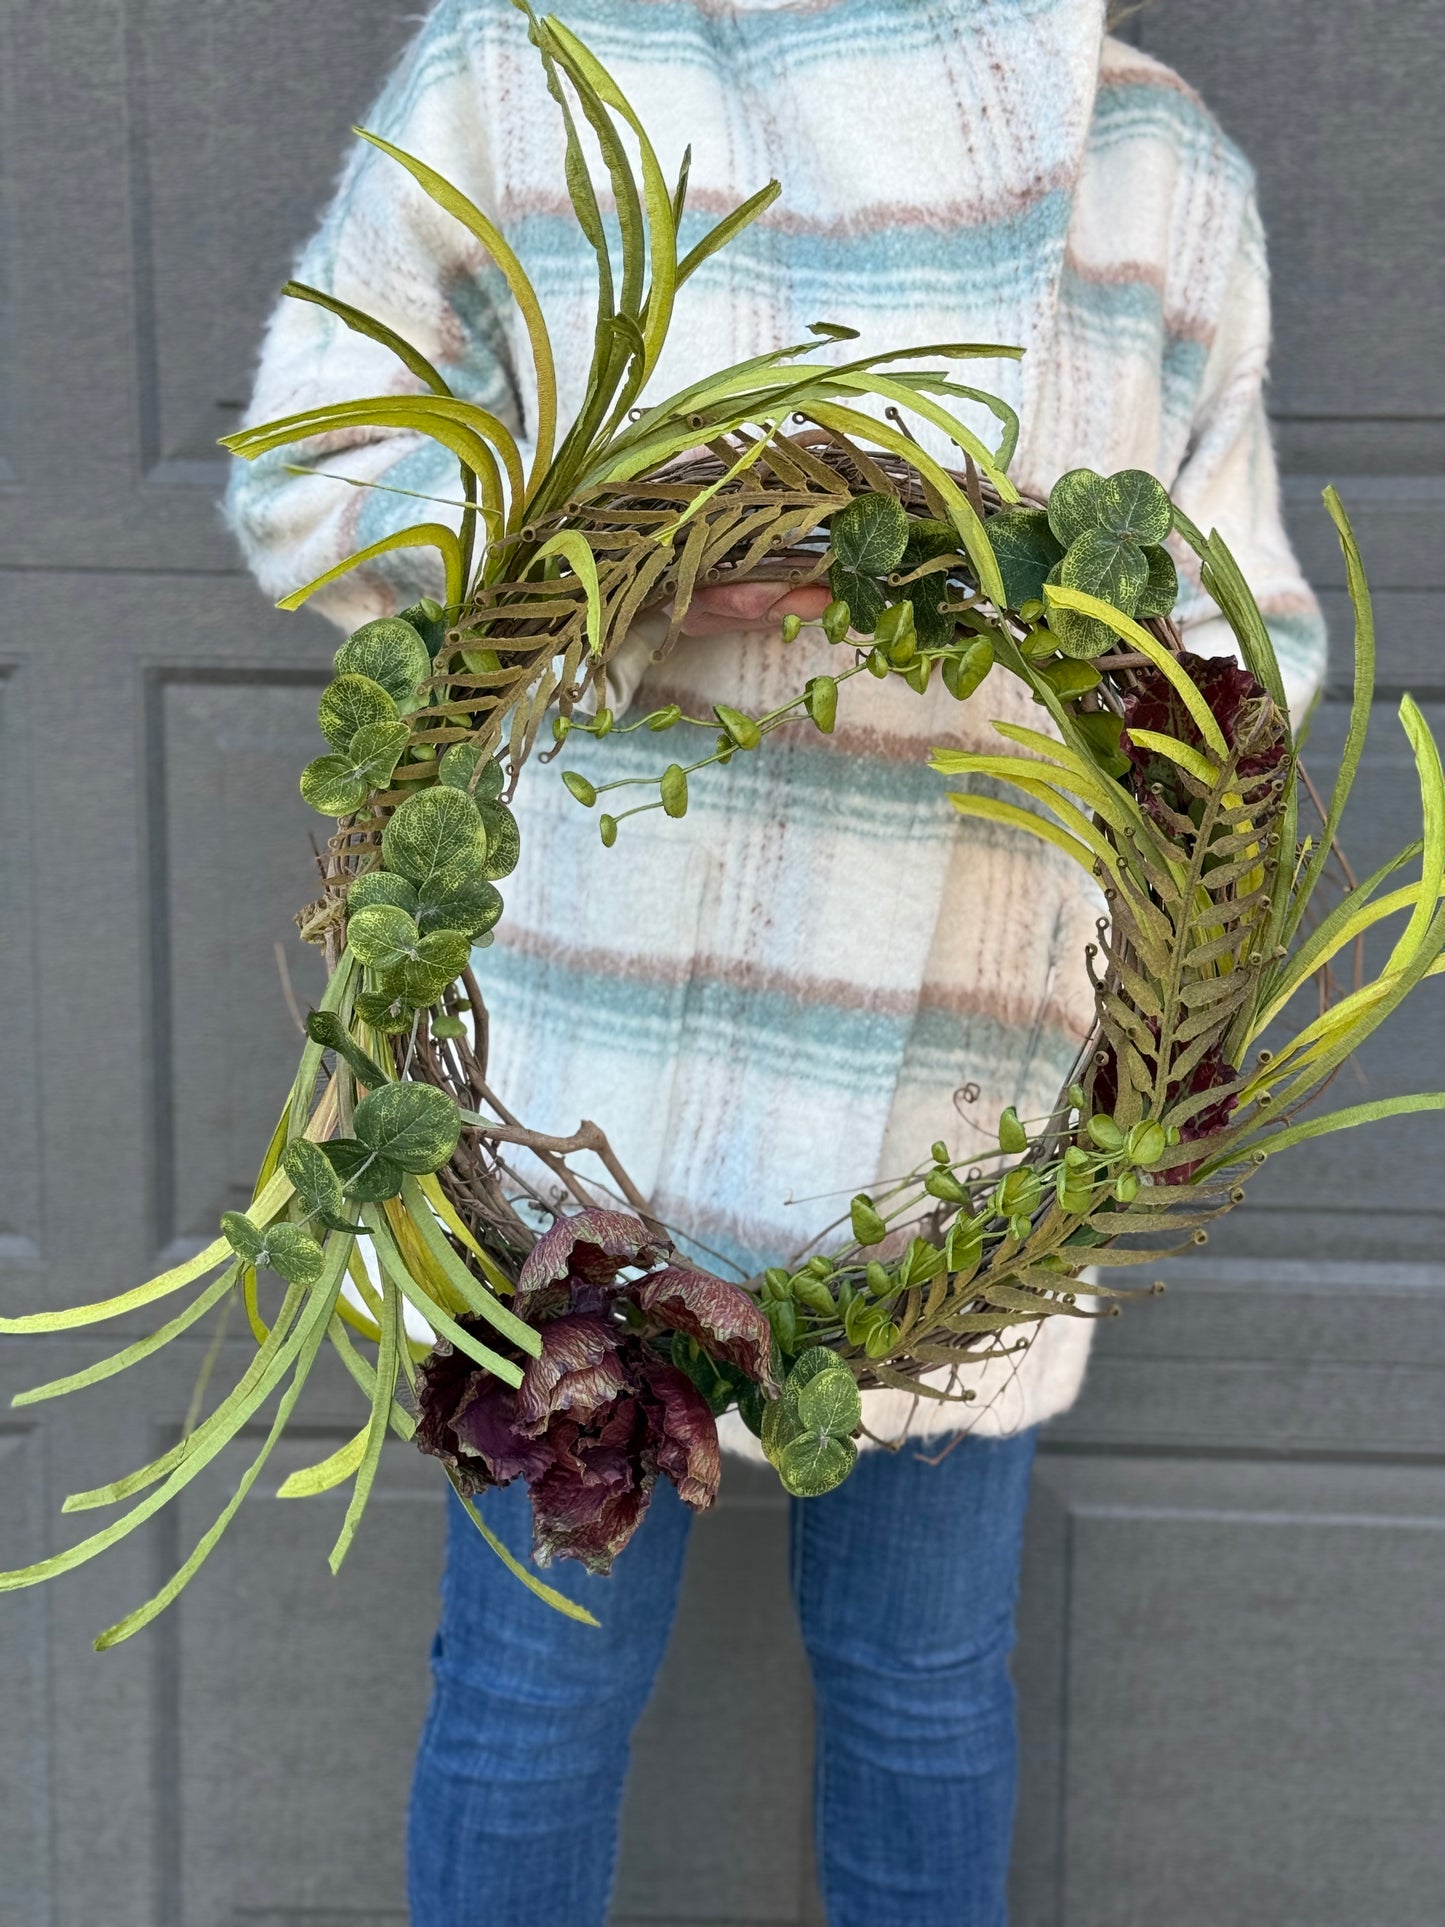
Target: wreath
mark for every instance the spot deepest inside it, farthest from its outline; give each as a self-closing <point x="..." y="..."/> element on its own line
<point x="580" y="1349"/>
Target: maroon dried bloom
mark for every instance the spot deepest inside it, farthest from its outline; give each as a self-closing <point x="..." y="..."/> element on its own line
<point x="1239" y="703"/>
<point x="601" y="1412"/>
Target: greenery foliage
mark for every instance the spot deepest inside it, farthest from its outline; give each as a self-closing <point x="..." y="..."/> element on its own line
<point x="1172" y="782"/>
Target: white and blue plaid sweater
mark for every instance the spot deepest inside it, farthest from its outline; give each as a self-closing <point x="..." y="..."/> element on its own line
<point x="793" y="991"/>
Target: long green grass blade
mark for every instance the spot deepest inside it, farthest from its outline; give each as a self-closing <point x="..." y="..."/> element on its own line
<point x="364" y="324"/>
<point x="425" y="535"/>
<point x="476" y="1295"/>
<point x="1347" y="1119"/>
<point x="1361" y="699"/>
<point x="559" y="1601"/>
<point x="523" y="293"/>
<point x="1129" y="631"/>
<point x="329" y="1472"/>
<point x="441" y="1322"/>
<point x="574" y="547"/>
<point x="312" y="1330"/>
<point x="143" y="1347"/>
<point x="726" y="230"/>
<point x="261" y="1369"/>
<point x="376" y="1428"/>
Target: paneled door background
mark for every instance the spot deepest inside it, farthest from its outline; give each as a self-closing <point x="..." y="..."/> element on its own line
<point x="1233" y="1630"/>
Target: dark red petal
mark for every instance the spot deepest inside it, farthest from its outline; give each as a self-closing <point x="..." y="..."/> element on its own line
<point x="684" y="1435"/>
<point x="582" y="1246"/>
<point x="486" y="1428"/>
<point x="579" y="1371"/>
<point x="446" y="1380"/>
<point x="723" y="1319"/>
<point x="588" y="1522"/>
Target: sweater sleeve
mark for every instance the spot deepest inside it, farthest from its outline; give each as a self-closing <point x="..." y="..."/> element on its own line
<point x="1229" y="482"/>
<point x="386" y="248"/>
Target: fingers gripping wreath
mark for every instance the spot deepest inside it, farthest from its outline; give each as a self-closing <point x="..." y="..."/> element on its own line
<point x="578" y="1349"/>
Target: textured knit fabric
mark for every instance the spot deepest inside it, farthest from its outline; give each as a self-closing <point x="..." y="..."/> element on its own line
<point x="793" y="991"/>
<point x="904" y="1581"/>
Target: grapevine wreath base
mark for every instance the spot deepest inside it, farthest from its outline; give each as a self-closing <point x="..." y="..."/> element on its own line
<point x="579" y="1349"/>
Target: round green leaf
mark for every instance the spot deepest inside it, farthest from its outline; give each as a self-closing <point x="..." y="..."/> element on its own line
<point x="365" y="1176"/>
<point x="391" y="653"/>
<point x="1132" y="503"/>
<point x="293" y="1253"/>
<point x="380" y="886"/>
<point x="317" y="1186"/>
<point x="1161" y="591"/>
<point x="331" y="785"/>
<point x="376" y="750"/>
<point x="241" y="1235"/>
<point x="1111" y="567"/>
<point x="471" y="906"/>
<point x="1074" y="504"/>
<point x="815" y="1463"/>
<point x="870" y="534"/>
<point x="829" y="1402"/>
<point x="446" y="951"/>
<point x="504" y="841"/>
<point x="415" y="1126"/>
<point x="384" y="1010"/>
<point x="434" y="839"/>
<point x="1025" y="548"/>
<point x="383" y="936"/>
<point x="460" y="764"/>
<point x="351" y="703"/>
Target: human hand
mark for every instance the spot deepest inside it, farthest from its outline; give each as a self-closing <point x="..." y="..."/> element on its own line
<point x="727" y="608"/>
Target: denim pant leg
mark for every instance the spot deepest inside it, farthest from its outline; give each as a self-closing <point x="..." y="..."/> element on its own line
<point x="905" y="1580"/>
<point x="519" y="1777"/>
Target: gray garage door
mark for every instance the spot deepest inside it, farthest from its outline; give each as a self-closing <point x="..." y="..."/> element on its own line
<point x="1233" y="1633"/>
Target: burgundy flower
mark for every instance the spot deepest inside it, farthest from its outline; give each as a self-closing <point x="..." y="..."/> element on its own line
<point x="601" y="1412"/>
<point x="1247" y="719"/>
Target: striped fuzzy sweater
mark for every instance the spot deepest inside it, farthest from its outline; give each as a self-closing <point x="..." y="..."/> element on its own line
<point x="790" y="993"/>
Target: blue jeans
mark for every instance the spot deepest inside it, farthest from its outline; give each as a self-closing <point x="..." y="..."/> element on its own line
<point x="904" y="1580"/>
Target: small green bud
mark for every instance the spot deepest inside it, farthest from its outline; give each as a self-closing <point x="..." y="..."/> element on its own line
<point x="876" y="664"/>
<point x="860" y="1319"/>
<point x="743" y="731"/>
<point x="813" y="1293"/>
<point x="939" y="1152"/>
<point x="880" y="1280"/>
<point x="837" y="620"/>
<point x="868" y="1227"/>
<point x="1069" y="678"/>
<point x="1012" y="1137"/>
<point x="448" y="1025"/>
<point x="577" y="783"/>
<point x="776" y="1282"/>
<point x="821" y="695"/>
<point x="963" y="1249"/>
<point x="725" y="748"/>
<point x="783" y="1317"/>
<point x="664" y="718"/>
<point x="1077" y="1158"/>
<point x="881" y="1340"/>
<point x="944" y="1185"/>
<point x="1019" y="1193"/>
<point x="1146" y="1143"/>
<point x="791" y="626"/>
<point x="819" y="1266"/>
<point x="561" y="728"/>
<point x="607" y="825"/>
<point x="1019" y="1228"/>
<point x="1105" y="1132"/>
<point x="1174" y="1135"/>
<point x="1126" y="1186"/>
<point x="1076" y="1096"/>
<point x="674" y="790"/>
<point x="963" y="674"/>
<point x="602" y="723"/>
<point x="918" y="672"/>
<point x="1032" y="610"/>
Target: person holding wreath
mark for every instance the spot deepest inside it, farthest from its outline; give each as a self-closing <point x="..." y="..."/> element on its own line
<point x="776" y="1000"/>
